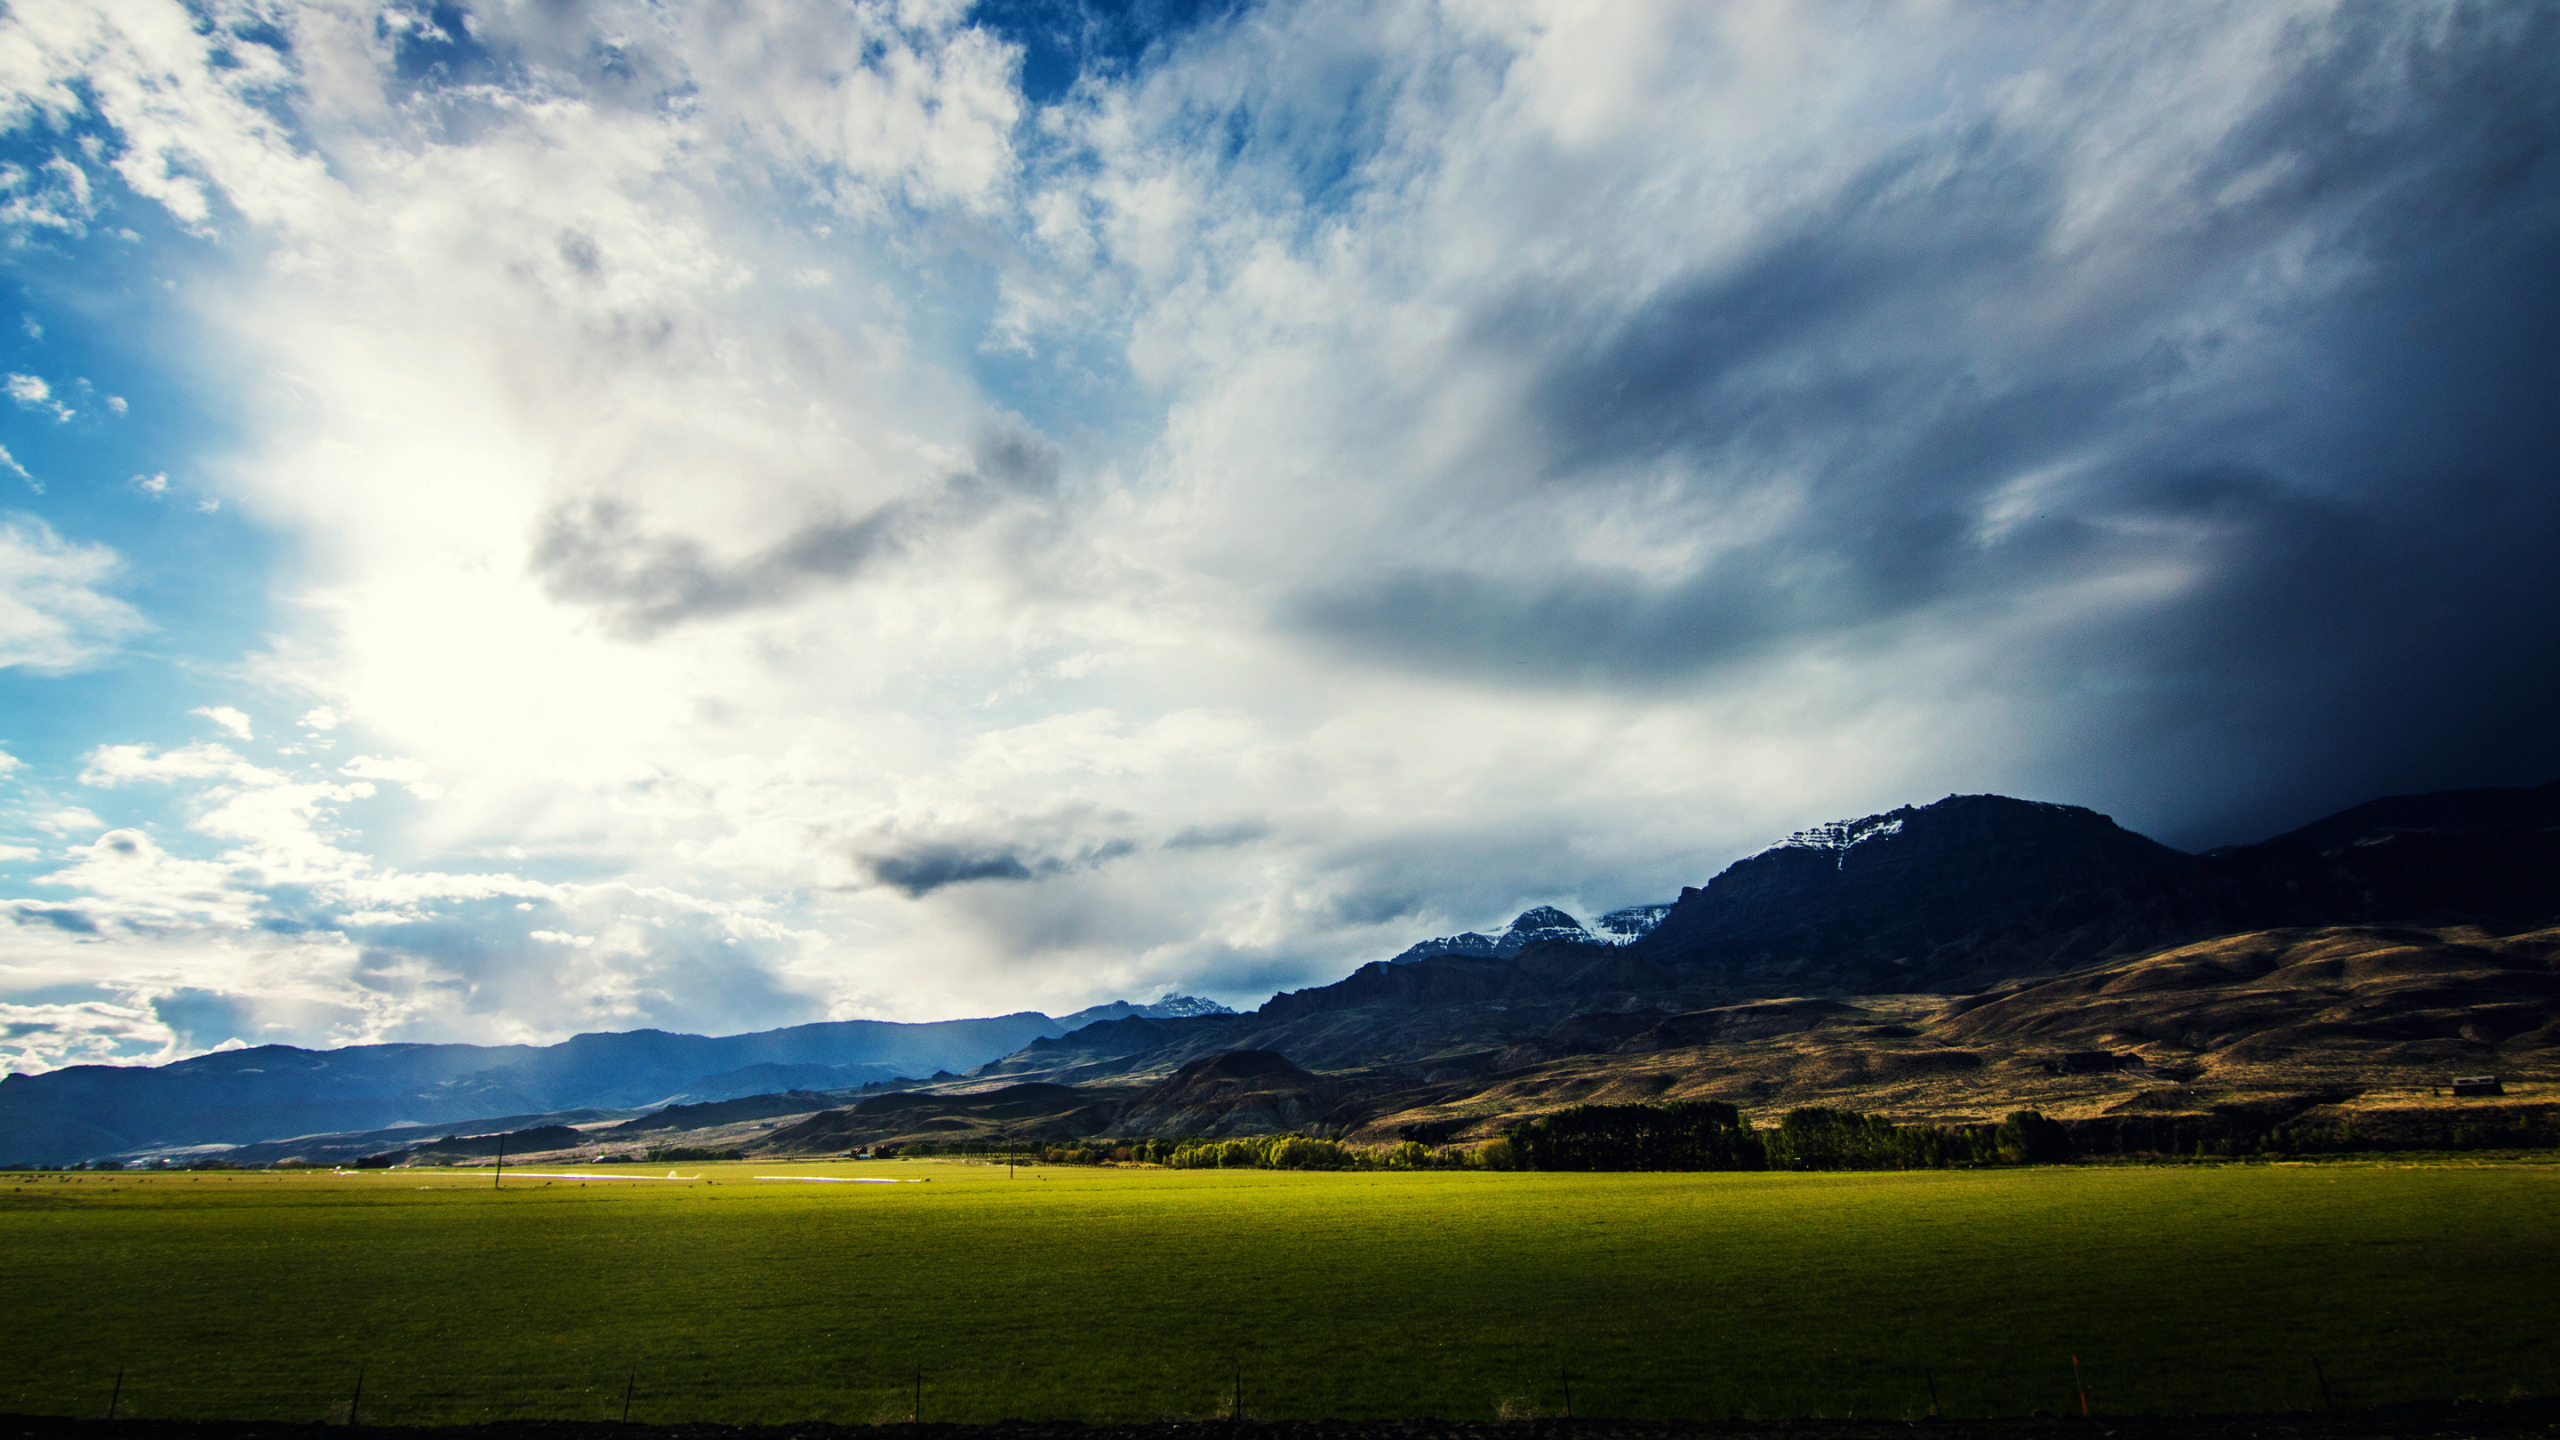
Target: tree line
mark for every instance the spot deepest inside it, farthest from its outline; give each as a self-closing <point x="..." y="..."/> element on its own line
<point x="1713" y="1135"/>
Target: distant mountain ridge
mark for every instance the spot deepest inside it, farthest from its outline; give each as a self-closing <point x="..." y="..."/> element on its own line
<point x="1970" y="895"/>
<point x="270" y="1092"/>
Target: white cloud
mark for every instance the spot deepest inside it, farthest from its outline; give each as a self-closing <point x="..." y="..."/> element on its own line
<point x="14" y="468"/>
<point x="53" y="198"/>
<point x="54" y="615"/>
<point x="69" y="820"/>
<point x="112" y="765"/>
<point x="32" y="393"/>
<point x="408" y="774"/>
<point x="127" y="879"/>
<point x="98" y="1032"/>
<point x="184" y="98"/>
<point x="226" y="717"/>
<point x="321" y="944"/>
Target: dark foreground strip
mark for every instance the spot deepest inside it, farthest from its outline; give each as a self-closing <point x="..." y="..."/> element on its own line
<point x="2537" y="1419"/>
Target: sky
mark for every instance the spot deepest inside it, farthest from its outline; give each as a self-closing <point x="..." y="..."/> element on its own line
<point x="561" y="515"/>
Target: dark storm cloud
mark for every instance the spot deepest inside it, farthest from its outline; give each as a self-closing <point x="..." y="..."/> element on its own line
<point x="57" y="916"/>
<point x="927" y="868"/>
<point x="598" y="552"/>
<point x="917" y="865"/>
<point x="2314" y="377"/>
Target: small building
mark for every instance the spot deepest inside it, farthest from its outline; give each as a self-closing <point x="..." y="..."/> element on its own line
<point x="2477" y="1085"/>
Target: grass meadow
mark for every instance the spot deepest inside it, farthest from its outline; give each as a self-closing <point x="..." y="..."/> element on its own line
<point x="1135" y="1294"/>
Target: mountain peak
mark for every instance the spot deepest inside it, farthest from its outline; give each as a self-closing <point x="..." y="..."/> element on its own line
<point x="1171" y="1007"/>
<point x="1535" y="924"/>
<point x="1876" y="895"/>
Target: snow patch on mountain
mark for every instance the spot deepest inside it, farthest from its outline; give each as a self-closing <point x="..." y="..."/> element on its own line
<point x="1841" y="836"/>
<point x="1543" y="922"/>
<point x="1171" y="1007"/>
<point x="1629" y="924"/>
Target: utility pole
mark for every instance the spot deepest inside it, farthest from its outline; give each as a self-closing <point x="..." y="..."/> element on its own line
<point x="500" y="1169"/>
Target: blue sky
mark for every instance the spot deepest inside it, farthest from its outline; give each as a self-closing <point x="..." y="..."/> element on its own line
<point x="551" y="517"/>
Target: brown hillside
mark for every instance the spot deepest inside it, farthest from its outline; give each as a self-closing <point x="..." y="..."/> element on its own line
<point x="1013" y="1113"/>
<point x="2350" y="998"/>
<point x="1238" y="1092"/>
<point x="2359" y="1026"/>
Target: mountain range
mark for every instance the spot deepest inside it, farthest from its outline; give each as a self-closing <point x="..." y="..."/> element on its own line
<point x="1931" y="958"/>
<point x="267" y="1092"/>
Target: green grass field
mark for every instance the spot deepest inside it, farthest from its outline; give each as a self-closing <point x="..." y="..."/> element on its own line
<point x="1117" y="1294"/>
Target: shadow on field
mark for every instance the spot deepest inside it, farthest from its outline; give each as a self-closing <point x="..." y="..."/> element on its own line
<point x="2536" y="1418"/>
